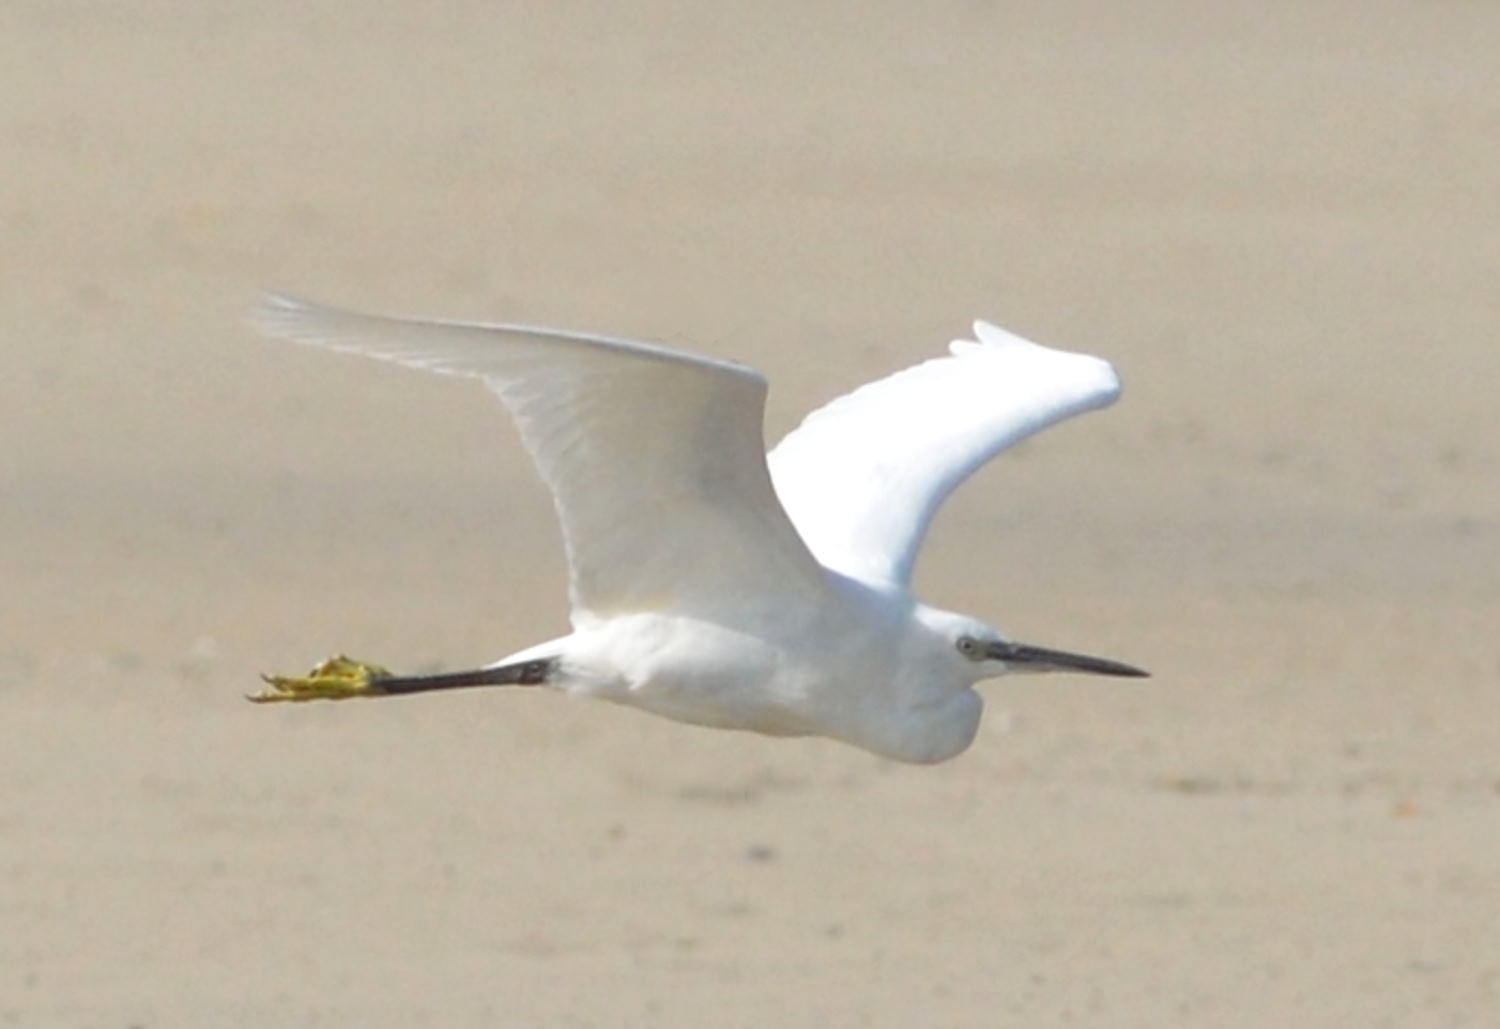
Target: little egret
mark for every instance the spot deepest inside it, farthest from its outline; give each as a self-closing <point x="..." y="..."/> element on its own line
<point x="718" y="585"/>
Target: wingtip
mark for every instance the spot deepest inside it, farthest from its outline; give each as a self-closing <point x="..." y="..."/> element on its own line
<point x="988" y="336"/>
<point x="286" y="316"/>
<point x="1111" y="385"/>
<point x="276" y="299"/>
<point x="991" y="335"/>
<point x="268" y="314"/>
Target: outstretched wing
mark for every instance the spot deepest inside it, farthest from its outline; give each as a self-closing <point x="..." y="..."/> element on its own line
<point x="655" y="458"/>
<point x="863" y="476"/>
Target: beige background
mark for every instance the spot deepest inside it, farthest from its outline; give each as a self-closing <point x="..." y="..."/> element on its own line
<point x="1281" y="224"/>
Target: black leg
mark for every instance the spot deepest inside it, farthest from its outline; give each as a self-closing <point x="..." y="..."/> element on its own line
<point x="526" y="673"/>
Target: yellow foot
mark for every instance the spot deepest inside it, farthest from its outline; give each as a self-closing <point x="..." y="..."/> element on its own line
<point x="338" y="678"/>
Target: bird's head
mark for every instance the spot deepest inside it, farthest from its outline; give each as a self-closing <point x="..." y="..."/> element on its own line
<point x="984" y="653"/>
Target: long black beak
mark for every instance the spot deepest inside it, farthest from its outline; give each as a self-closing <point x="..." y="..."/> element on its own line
<point x="1023" y="657"/>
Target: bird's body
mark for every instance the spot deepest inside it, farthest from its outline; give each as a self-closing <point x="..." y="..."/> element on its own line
<point x="717" y="586"/>
<point x="856" y="663"/>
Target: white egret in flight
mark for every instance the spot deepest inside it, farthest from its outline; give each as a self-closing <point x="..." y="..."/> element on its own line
<point x="713" y="583"/>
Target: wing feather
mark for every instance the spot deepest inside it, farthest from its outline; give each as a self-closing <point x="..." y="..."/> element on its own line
<point x="655" y="458"/>
<point x="863" y="477"/>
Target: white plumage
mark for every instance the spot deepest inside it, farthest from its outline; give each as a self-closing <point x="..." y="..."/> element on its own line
<point x="714" y="585"/>
<point x="862" y="477"/>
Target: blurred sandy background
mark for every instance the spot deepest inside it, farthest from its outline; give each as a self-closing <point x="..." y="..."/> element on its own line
<point x="1280" y="223"/>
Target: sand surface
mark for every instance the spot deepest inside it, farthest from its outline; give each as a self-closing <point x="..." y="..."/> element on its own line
<point x="1281" y="224"/>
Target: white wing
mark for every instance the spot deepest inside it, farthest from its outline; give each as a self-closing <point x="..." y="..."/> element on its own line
<point x="863" y="476"/>
<point x="655" y="458"/>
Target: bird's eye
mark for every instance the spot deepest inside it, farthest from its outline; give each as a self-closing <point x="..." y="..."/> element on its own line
<point x="970" y="648"/>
